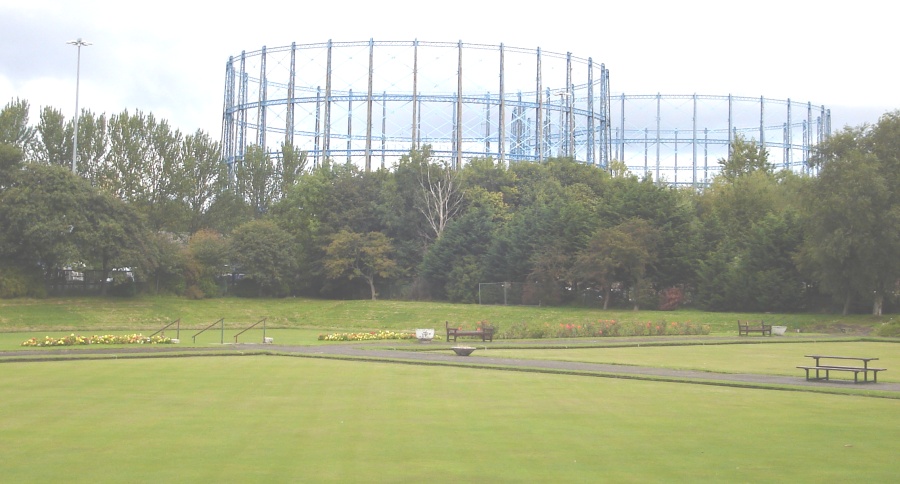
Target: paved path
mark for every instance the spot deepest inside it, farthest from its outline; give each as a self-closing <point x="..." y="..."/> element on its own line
<point x="442" y="354"/>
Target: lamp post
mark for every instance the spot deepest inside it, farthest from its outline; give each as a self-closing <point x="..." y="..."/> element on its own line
<point x="79" y="44"/>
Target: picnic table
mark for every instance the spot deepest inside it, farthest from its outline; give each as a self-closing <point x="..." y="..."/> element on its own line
<point x="828" y="368"/>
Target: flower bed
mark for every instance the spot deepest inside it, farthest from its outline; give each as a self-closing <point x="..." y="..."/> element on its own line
<point x="108" y="339"/>
<point x="602" y="328"/>
<point x="372" y="335"/>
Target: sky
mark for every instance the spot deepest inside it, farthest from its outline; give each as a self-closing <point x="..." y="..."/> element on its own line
<point x="168" y="57"/>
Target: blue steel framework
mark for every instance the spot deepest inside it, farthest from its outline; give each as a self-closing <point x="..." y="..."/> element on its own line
<point x="475" y="100"/>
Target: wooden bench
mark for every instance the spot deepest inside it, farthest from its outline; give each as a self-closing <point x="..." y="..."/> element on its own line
<point x="484" y="331"/>
<point x="864" y="369"/>
<point x="744" y="328"/>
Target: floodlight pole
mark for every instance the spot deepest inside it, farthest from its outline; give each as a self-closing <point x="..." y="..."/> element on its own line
<point x="79" y="44"/>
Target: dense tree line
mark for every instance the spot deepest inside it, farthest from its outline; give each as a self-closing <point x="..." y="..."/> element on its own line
<point x="153" y="199"/>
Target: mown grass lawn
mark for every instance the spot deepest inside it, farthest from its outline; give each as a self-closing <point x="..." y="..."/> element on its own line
<point x="290" y="419"/>
<point x="775" y="358"/>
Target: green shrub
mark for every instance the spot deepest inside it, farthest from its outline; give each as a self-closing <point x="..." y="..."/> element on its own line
<point x="602" y="328"/>
<point x="15" y="282"/>
<point x="890" y="329"/>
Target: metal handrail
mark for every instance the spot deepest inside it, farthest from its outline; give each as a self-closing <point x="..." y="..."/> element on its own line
<point x="178" y="332"/>
<point x="194" y="338"/>
<point x="263" y="321"/>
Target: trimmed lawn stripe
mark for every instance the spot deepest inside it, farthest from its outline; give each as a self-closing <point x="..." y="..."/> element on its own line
<point x="273" y="419"/>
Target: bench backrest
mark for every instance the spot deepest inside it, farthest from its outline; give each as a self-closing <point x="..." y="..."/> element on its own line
<point x="482" y="326"/>
<point x="757" y="324"/>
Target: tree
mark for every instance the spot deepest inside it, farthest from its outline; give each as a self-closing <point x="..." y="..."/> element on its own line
<point x="163" y="263"/>
<point x="52" y="218"/>
<point x="439" y="196"/>
<point x="745" y="157"/>
<point x="265" y="254"/>
<point x="114" y="236"/>
<point x="852" y="215"/>
<point x="10" y="161"/>
<point x="293" y="165"/>
<point x="453" y="263"/>
<point x="14" y="129"/>
<point x="55" y="138"/>
<point x="356" y="255"/>
<point x="620" y="254"/>
<point x="93" y="146"/>
<point x="205" y="262"/>
<point x="255" y="179"/>
<point x="201" y="177"/>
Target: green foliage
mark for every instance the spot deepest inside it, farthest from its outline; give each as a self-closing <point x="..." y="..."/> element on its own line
<point x="745" y="157"/>
<point x="852" y="215"/>
<point x="14" y="129"/>
<point x="889" y="330"/>
<point x="205" y="261"/>
<point x="17" y="282"/>
<point x="265" y="254"/>
<point x="755" y="239"/>
<point x="601" y="329"/>
<point x="366" y="256"/>
<point x="10" y="160"/>
<point x="55" y="138"/>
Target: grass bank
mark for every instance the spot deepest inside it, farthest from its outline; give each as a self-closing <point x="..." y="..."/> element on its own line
<point x="151" y="313"/>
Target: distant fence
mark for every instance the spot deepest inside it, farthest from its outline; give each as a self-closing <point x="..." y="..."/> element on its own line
<point x="508" y="294"/>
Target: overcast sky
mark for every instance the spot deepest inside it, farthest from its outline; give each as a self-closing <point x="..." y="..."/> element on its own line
<point x="168" y="57"/>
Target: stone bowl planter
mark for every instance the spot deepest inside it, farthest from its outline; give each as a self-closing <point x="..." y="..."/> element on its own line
<point x="463" y="350"/>
<point x="425" y="335"/>
<point x="779" y="330"/>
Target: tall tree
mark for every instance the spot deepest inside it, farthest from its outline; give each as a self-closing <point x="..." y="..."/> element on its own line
<point x="40" y="209"/>
<point x="93" y="145"/>
<point x="355" y="255"/>
<point x="54" y="144"/>
<point x="292" y="166"/>
<point x="265" y="254"/>
<point x="745" y="157"/>
<point x="114" y="236"/>
<point x="255" y="178"/>
<point x="10" y="161"/>
<point x="200" y="178"/>
<point x="14" y="128"/>
<point x="853" y="214"/>
<point x="621" y="254"/>
<point x="439" y="195"/>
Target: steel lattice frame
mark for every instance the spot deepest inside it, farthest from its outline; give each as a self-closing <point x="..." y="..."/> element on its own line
<point x="371" y="102"/>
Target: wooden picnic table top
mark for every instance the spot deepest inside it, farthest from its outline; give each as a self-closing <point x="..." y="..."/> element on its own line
<point x="841" y="357"/>
<point x="857" y="358"/>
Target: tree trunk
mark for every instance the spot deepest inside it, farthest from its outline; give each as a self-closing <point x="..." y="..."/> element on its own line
<point x="606" y="298"/>
<point x="371" y="281"/>
<point x="846" y="304"/>
<point x="878" y="304"/>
